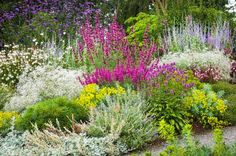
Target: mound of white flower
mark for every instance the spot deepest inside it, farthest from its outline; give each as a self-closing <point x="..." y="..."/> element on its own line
<point x="42" y="83"/>
<point x="203" y="60"/>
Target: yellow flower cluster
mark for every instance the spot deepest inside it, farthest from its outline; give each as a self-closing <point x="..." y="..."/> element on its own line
<point x="198" y="96"/>
<point x="221" y="106"/>
<point x="91" y="94"/>
<point x="215" y="122"/>
<point x="206" y="106"/>
<point x="5" y="117"/>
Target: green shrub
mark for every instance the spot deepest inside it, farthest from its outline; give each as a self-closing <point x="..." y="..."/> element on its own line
<point x="225" y="86"/>
<point x="206" y="106"/>
<point x="230" y="96"/>
<point x="230" y="113"/>
<point x="231" y="99"/>
<point x="168" y="107"/>
<point x="137" y="26"/>
<point x="166" y="131"/>
<point x="5" y="121"/>
<point x="166" y="102"/>
<point x="206" y="15"/>
<point x="5" y="94"/>
<point x="58" y="108"/>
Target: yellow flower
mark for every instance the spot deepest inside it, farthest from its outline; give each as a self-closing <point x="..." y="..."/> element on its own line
<point x="213" y="96"/>
<point x="90" y="88"/>
<point x="221" y="107"/>
<point x="189" y="102"/>
<point x="91" y="94"/>
<point x="198" y="96"/>
<point x="5" y="117"/>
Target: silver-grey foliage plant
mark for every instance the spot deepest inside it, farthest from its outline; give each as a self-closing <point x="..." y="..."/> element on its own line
<point x="125" y="114"/>
<point x="54" y="141"/>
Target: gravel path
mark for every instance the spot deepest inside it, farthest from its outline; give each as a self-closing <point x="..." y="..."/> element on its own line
<point x="205" y="138"/>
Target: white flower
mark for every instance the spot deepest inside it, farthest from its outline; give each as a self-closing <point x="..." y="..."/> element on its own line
<point x="43" y="83"/>
<point x="201" y="60"/>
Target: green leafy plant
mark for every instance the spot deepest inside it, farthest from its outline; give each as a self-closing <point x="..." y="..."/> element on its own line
<point x="219" y="147"/>
<point x="190" y="146"/>
<point x="231" y="111"/>
<point x="123" y="114"/>
<point x="225" y="86"/>
<point x="207" y="106"/>
<point x="192" y="79"/>
<point x="168" y="107"/>
<point x="5" y="120"/>
<point x="165" y="102"/>
<point x="229" y="94"/>
<point x="137" y="26"/>
<point x="166" y="131"/>
<point x="207" y="15"/>
<point x="58" y="108"/>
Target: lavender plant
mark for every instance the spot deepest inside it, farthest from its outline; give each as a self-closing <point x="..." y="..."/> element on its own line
<point x="192" y="36"/>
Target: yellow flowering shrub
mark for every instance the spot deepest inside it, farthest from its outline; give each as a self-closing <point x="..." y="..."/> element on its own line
<point x="92" y="94"/>
<point x="206" y="106"/>
<point x="165" y="130"/>
<point x="5" y="119"/>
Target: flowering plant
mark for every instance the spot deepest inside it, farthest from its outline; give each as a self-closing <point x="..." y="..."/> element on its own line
<point x="108" y="47"/>
<point x="42" y="83"/>
<point x="192" y="36"/>
<point x="91" y="94"/>
<point x="231" y="6"/>
<point x="58" y="16"/>
<point x="207" y="75"/>
<point x="207" y="107"/>
<point x="165" y="99"/>
<point x="5" y="120"/>
<point x="14" y="61"/>
<point x="208" y="65"/>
